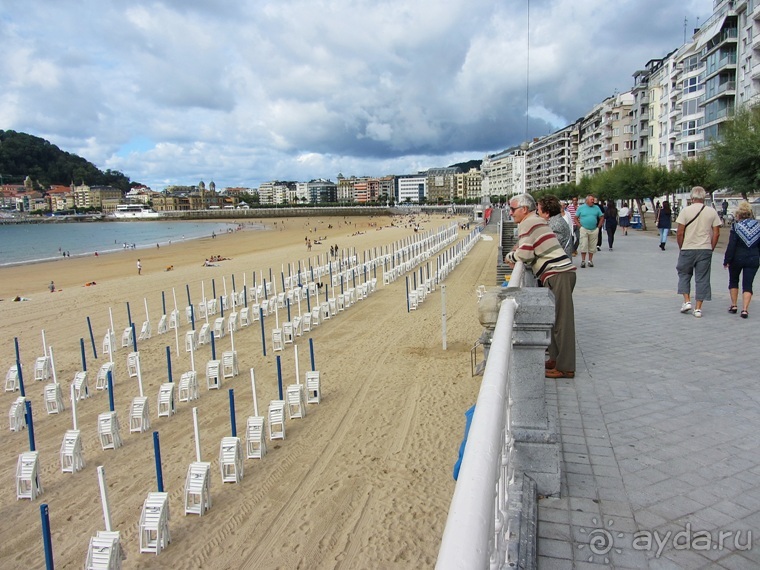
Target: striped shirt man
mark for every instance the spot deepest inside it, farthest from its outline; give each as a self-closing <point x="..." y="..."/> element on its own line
<point x="539" y="248"/>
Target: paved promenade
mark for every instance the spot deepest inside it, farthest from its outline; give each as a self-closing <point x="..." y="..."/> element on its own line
<point x="660" y="429"/>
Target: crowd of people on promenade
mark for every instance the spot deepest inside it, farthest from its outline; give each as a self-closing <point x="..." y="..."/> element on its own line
<point x="551" y="232"/>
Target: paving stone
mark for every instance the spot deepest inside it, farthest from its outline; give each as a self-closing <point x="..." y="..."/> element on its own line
<point x="654" y="445"/>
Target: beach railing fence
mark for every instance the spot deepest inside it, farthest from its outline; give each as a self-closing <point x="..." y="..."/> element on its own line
<point x="511" y="452"/>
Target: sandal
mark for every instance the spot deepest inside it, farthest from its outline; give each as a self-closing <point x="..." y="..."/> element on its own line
<point x="732" y="309"/>
<point x="745" y="314"/>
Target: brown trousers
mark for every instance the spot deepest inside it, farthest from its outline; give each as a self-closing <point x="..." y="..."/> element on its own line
<point x="562" y="345"/>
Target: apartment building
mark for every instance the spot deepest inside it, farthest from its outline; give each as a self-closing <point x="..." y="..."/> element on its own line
<point x="552" y="160"/>
<point x="503" y="173"/>
<point x="411" y="188"/>
<point x="469" y="185"/>
<point x="441" y="184"/>
<point x="607" y="135"/>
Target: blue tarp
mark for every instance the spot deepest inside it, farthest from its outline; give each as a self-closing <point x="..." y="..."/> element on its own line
<point x="468" y="417"/>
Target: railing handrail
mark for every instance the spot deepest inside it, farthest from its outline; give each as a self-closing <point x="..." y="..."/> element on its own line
<point x="468" y="539"/>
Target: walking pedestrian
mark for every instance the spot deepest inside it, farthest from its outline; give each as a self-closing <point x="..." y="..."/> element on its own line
<point x="139" y="267"/>
<point x="697" y="235"/>
<point x="600" y="204"/>
<point x="663" y="223"/>
<point x="624" y="218"/>
<point x="572" y="208"/>
<point x="589" y="218"/>
<point x="742" y="257"/>
<point x="610" y="222"/>
<point x="540" y="249"/>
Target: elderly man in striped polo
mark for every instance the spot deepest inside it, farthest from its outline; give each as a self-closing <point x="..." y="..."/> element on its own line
<point x="539" y="248"/>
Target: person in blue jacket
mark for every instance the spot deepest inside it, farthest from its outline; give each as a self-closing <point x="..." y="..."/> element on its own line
<point x="742" y="257"/>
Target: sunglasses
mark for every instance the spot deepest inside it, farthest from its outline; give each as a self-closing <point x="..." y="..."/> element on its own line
<point x="511" y="209"/>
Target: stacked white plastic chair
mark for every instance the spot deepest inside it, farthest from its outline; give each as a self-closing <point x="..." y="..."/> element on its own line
<point x="166" y="406"/>
<point x="81" y="386"/>
<point x="139" y="415"/>
<point x="126" y="337"/>
<point x="276" y="419"/>
<point x="11" y="379"/>
<point x="295" y="401"/>
<point x="313" y="387"/>
<point x="109" y="430"/>
<point x="188" y="386"/>
<point x="198" y="479"/>
<point x="101" y="381"/>
<point x="154" y="523"/>
<point x="42" y="368"/>
<point x="54" y="399"/>
<point x="133" y="359"/>
<point x="163" y="325"/>
<point x="28" y="484"/>
<point x="277" y="343"/>
<point x="204" y="335"/>
<point x="191" y="341"/>
<point x="230" y="364"/>
<point x="214" y="374"/>
<point x="255" y="439"/>
<point x="17" y="414"/>
<point x="231" y="462"/>
<point x="109" y="342"/>
<point x="72" y="459"/>
<point x="219" y="329"/>
<point x="198" y="488"/>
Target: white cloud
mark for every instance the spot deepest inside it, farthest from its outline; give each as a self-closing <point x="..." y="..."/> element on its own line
<point x="297" y="89"/>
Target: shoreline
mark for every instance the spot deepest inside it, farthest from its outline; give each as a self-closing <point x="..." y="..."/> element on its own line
<point x="121" y="249"/>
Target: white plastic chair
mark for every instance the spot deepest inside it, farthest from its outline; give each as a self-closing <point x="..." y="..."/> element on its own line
<point x="313" y="387"/>
<point x="232" y="322"/>
<point x="17" y="414"/>
<point x="306" y="322"/>
<point x="294" y="397"/>
<point x="277" y="343"/>
<point x="174" y="319"/>
<point x="109" y="430"/>
<point x="198" y="488"/>
<point x="72" y="459"/>
<point x="28" y="484"/>
<point x="231" y="460"/>
<point x="101" y="381"/>
<point x="163" y="326"/>
<point x="166" y="400"/>
<point x="139" y="416"/>
<point x="256" y="447"/>
<point x="109" y="342"/>
<point x="245" y="317"/>
<point x="42" y="368"/>
<point x="287" y="333"/>
<point x="154" y="523"/>
<point x="81" y="387"/>
<point x="188" y="386"/>
<point x="54" y="399"/>
<point x="126" y="337"/>
<point x="133" y="360"/>
<point x="191" y="341"/>
<point x="11" y="379"/>
<point x="276" y="419"/>
<point x="204" y="335"/>
<point x="230" y="364"/>
<point x="219" y="330"/>
<point x="213" y="374"/>
<point x="105" y="552"/>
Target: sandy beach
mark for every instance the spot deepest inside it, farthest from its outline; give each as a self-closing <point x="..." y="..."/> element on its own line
<point x="363" y="481"/>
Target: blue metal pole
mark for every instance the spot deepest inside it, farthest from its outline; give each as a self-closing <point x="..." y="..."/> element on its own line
<point x="163" y="302"/>
<point x="109" y="379"/>
<point x="157" y="455"/>
<point x="279" y="377"/>
<point x="84" y="360"/>
<point x="311" y="352"/>
<point x="407" y="295"/>
<point x="221" y="306"/>
<point x="129" y="314"/>
<point x="92" y="339"/>
<point x="232" y="413"/>
<point x="47" y="542"/>
<point x="263" y="335"/>
<point x="134" y="336"/>
<point x="30" y="425"/>
<point x="288" y="310"/>
<point x="265" y="289"/>
<point x="192" y="309"/>
<point x="169" y="363"/>
<point x="213" y="347"/>
<point x="213" y="289"/>
<point x="282" y="277"/>
<point x="18" y="369"/>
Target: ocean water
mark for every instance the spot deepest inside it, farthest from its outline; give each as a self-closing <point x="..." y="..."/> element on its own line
<point x="30" y="243"/>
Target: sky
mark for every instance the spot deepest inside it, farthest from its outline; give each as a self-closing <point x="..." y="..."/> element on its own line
<point x="239" y="93"/>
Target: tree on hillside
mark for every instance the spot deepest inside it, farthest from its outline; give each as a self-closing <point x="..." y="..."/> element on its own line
<point x="737" y="153"/>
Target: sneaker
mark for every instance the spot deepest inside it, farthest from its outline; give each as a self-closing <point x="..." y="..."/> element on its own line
<point x="686" y="307"/>
<point x="583" y="264"/>
<point x="610" y="248"/>
<point x="698" y="313"/>
<point x="591" y="264"/>
<point x="599" y="248"/>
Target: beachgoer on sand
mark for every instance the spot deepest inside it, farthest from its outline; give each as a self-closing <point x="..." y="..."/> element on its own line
<point x="139" y="267"/>
<point x="52" y="287"/>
